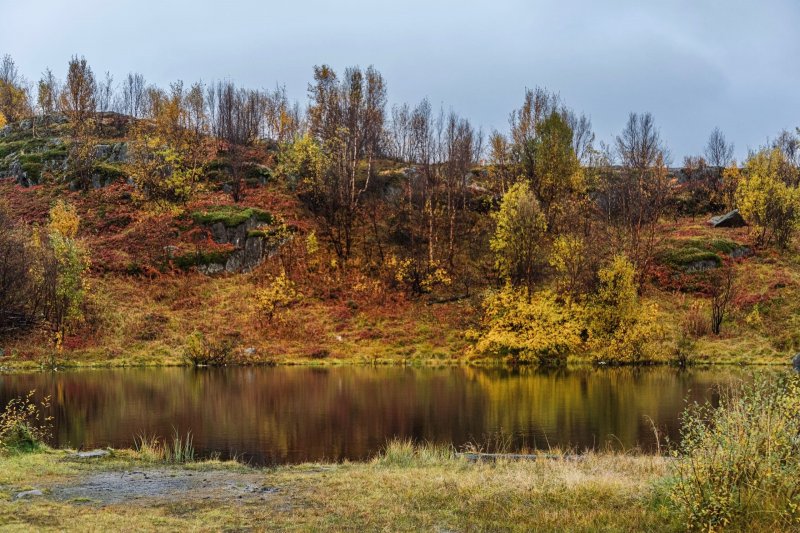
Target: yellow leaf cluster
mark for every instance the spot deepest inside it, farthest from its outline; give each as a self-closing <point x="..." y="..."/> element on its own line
<point x="765" y="199"/>
<point x="275" y="297"/>
<point x="540" y="329"/>
<point x="620" y="327"/>
<point x="64" y="220"/>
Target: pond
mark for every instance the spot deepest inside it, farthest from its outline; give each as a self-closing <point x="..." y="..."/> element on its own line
<point x="295" y="414"/>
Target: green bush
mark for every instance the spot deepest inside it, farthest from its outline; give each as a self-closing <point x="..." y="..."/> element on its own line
<point x="738" y="464"/>
<point x="33" y="171"/>
<point x="257" y="173"/>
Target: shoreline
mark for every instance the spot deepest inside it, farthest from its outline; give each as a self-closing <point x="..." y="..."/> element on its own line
<point x="32" y="366"/>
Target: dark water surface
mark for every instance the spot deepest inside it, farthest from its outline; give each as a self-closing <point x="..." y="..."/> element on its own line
<point x="289" y="415"/>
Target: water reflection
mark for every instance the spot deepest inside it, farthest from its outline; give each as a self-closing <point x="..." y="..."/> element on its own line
<point x="278" y="415"/>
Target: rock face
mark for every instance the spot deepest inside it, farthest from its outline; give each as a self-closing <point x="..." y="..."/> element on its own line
<point x="248" y="257"/>
<point x="796" y="362"/>
<point x="251" y="248"/>
<point x="733" y="219"/>
<point x="235" y="235"/>
<point x="112" y="153"/>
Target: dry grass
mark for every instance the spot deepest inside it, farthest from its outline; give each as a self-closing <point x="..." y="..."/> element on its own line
<point x="407" y="488"/>
<point x="148" y="322"/>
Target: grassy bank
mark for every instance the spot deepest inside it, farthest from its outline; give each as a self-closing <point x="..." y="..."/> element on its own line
<point x="406" y="488"/>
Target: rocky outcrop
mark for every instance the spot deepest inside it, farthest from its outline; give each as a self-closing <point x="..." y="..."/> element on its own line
<point x="16" y="173"/>
<point x="34" y="148"/>
<point x="235" y="235"/>
<point x="28" y="124"/>
<point x="741" y="251"/>
<point x="732" y="219"/>
<point x="796" y="362"/>
<point x="252" y="245"/>
<point x="112" y="153"/>
<point x="249" y="256"/>
<point x="24" y="495"/>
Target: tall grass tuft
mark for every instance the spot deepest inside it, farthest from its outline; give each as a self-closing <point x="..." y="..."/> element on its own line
<point x="738" y="465"/>
<point x="24" y="427"/>
<point x="404" y="453"/>
<point x="177" y="450"/>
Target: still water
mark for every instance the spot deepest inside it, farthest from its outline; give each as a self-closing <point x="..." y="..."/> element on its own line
<point x="289" y="415"/>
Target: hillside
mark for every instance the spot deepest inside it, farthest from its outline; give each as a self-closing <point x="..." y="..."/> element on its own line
<point x="160" y="273"/>
<point x="163" y="274"/>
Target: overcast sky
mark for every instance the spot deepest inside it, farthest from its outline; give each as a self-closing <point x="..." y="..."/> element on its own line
<point x="695" y="64"/>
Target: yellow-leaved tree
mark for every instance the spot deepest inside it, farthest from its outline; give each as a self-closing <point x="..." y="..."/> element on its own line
<point x="558" y="176"/>
<point x="517" y="241"/>
<point x="167" y="153"/>
<point x="569" y="257"/>
<point x="64" y="220"/>
<point x="767" y="199"/>
<point x="61" y="273"/>
<point x="275" y="297"/>
<point x="301" y="162"/>
<point x="621" y="328"/>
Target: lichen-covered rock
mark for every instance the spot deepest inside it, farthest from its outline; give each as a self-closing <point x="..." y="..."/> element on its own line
<point x="211" y="268"/>
<point x="741" y="251"/>
<point x="92" y="454"/>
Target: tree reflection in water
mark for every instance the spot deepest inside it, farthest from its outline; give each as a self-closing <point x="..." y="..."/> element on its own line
<point x="279" y="415"/>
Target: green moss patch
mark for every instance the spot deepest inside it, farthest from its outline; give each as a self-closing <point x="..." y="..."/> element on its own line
<point x="196" y="259"/>
<point x="231" y="215"/>
<point x="684" y="257"/>
<point x="108" y="171"/>
<point x="723" y="246"/>
<point x="682" y="254"/>
<point x="24" y="145"/>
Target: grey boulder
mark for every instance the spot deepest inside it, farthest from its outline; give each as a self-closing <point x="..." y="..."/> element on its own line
<point x="732" y="219"/>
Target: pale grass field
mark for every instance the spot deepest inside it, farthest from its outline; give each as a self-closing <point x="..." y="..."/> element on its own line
<point x="407" y="488"/>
